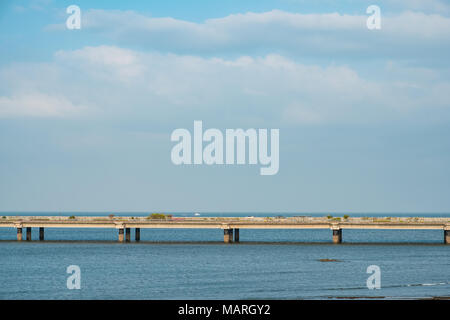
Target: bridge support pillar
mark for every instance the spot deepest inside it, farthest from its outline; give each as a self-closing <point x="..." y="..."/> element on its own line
<point x="28" y="233"/>
<point x="227" y="235"/>
<point x="121" y="235"/>
<point x="337" y="235"/>
<point x="138" y="234"/>
<point x="127" y="234"/>
<point x="41" y="234"/>
<point x="236" y="235"/>
<point x="19" y="234"/>
<point x="447" y="236"/>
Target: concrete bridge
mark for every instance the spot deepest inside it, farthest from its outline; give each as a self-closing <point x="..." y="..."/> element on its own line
<point x="229" y="225"/>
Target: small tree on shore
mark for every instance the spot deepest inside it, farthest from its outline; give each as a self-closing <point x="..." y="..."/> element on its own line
<point x="157" y="216"/>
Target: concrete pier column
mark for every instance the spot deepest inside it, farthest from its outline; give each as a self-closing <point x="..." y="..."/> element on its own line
<point x="138" y="234"/>
<point x="447" y="236"/>
<point x="236" y="235"/>
<point x="127" y="234"/>
<point x="227" y="235"/>
<point x="121" y="235"/>
<point x="41" y="234"/>
<point x="337" y="235"/>
<point x="28" y="233"/>
<point x="19" y="234"/>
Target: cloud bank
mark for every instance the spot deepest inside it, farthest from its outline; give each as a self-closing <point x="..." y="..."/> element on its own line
<point x="114" y="82"/>
<point x="406" y="35"/>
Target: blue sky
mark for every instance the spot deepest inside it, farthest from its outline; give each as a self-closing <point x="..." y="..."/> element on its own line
<point x="86" y="115"/>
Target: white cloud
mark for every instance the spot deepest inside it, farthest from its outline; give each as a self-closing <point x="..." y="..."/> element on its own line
<point x="166" y="88"/>
<point x="35" y="5"/>
<point x="433" y="6"/>
<point x="109" y="62"/>
<point x="37" y="105"/>
<point x="320" y="35"/>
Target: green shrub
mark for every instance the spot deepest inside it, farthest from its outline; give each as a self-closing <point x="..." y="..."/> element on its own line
<point x="346" y="216"/>
<point x="72" y="217"/>
<point x="157" y="216"/>
<point x="329" y="216"/>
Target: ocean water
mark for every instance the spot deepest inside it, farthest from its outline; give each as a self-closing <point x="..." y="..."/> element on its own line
<point x="196" y="264"/>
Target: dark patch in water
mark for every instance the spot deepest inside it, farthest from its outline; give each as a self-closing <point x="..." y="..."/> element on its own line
<point x="330" y="260"/>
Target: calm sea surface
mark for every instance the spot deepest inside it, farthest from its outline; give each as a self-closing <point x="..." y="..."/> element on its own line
<point x="195" y="264"/>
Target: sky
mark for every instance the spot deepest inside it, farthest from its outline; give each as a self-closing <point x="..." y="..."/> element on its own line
<point x="86" y="114"/>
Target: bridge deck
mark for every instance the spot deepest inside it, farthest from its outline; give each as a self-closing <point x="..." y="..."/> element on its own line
<point x="228" y="224"/>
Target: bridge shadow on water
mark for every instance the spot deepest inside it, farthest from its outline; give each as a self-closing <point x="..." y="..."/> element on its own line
<point x="221" y="243"/>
